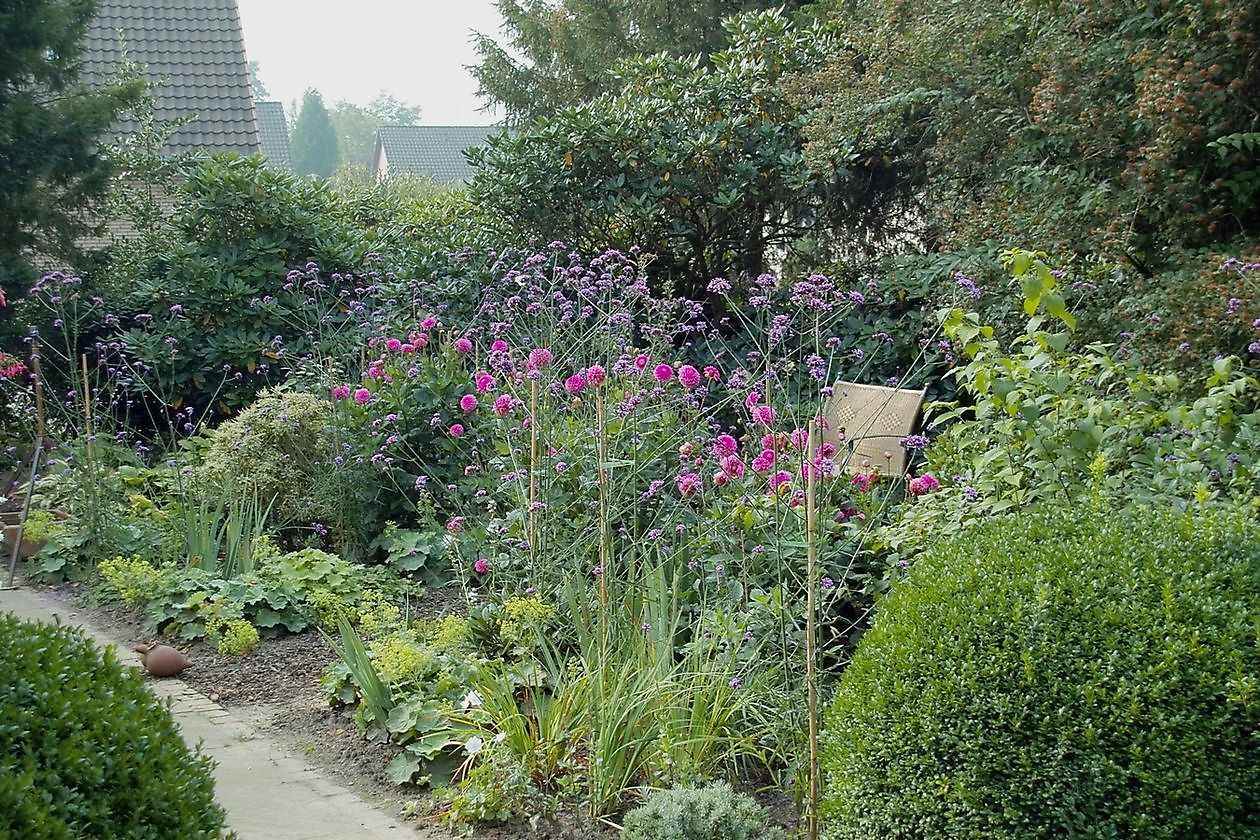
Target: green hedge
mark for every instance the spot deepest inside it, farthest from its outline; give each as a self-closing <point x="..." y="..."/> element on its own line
<point x="86" y="751"/>
<point x="1074" y="673"/>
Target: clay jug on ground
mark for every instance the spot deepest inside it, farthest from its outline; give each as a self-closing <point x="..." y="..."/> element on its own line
<point x="162" y="660"/>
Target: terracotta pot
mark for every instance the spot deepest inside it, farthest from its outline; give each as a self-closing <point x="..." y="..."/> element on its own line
<point x="28" y="549"/>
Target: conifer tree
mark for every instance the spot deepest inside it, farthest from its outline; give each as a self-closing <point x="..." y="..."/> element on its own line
<point x="314" y="141"/>
<point x="52" y="172"/>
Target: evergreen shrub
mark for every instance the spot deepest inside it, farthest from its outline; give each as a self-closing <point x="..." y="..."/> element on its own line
<point x="86" y="751"/>
<point x="288" y="448"/>
<point x="712" y="812"/>
<point x="1076" y="672"/>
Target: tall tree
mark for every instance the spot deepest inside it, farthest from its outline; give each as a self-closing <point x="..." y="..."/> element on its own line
<point x="570" y="47"/>
<point x="314" y="141"/>
<point x="356" y="125"/>
<point x="701" y="165"/>
<point x="256" y="82"/>
<point x="1131" y="128"/>
<point x="52" y="173"/>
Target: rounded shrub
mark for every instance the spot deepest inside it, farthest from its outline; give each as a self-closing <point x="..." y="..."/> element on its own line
<point x="288" y="448"/>
<point x="1064" y="673"/>
<point x="86" y="751"/>
<point x="712" y="812"/>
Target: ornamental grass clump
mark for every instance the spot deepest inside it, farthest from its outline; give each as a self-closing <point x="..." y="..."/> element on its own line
<point x="1071" y="672"/>
<point x="86" y="751"/>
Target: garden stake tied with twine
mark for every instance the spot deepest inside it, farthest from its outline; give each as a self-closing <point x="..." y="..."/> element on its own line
<point x="39" y="448"/>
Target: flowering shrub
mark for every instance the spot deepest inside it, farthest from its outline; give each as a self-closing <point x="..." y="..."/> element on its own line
<point x="410" y="408"/>
<point x="576" y="418"/>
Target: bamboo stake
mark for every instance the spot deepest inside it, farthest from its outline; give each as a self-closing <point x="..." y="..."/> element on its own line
<point x="811" y="677"/>
<point x="39" y="389"/>
<point x="87" y="407"/>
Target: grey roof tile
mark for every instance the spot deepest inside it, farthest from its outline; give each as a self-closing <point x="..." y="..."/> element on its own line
<point x="433" y="150"/>
<point x="273" y="132"/>
<point x="196" y="48"/>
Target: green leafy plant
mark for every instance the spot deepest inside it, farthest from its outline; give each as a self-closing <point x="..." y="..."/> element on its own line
<point x="406" y="690"/>
<point x="376" y="695"/>
<point x="712" y="812"/>
<point x="1076" y="670"/>
<point x="494" y="790"/>
<point x="412" y="551"/>
<point x="1041" y="417"/>
<point x="86" y="751"/>
<point x="236" y="636"/>
<point x="132" y="579"/>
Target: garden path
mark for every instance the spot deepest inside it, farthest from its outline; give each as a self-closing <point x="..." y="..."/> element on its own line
<point x="268" y="792"/>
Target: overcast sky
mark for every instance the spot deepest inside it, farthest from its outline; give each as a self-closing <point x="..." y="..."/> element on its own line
<point x="353" y="49"/>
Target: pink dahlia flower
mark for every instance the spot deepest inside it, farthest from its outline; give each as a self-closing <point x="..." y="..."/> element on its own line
<point x="923" y="484"/>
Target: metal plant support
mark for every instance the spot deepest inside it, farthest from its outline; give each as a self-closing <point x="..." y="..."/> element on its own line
<point x="39" y="449"/>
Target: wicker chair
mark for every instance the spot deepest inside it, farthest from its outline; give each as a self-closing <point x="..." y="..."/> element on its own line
<point x="868" y="422"/>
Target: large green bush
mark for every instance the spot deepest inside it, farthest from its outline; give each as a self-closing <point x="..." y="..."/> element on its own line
<point x="288" y="448"/>
<point x="86" y="751"/>
<point x="701" y="163"/>
<point x="250" y="276"/>
<point x="1067" y="673"/>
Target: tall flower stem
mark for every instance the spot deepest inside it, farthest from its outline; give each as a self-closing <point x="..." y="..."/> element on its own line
<point x="87" y="407"/>
<point x="601" y="443"/>
<point x="533" y="476"/>
<point x="811" y="587"/>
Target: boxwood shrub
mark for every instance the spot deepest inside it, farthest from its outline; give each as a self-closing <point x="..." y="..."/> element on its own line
<point x="86" y="751"/>
<point x="1064" y="673"/>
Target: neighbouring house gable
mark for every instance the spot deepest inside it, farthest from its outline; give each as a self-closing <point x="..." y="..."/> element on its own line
<point x="195" y="48"/>
<point x="435" y="151"/>
<point x="273" y="134"/>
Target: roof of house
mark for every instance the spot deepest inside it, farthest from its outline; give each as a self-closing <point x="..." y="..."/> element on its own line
<point x="273" y="133"/>
<point x="195" y="49"/>
<point x="433" y="150"/>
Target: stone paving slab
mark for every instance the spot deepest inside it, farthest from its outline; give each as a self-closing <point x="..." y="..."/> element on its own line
<point x="269" y="793"/>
